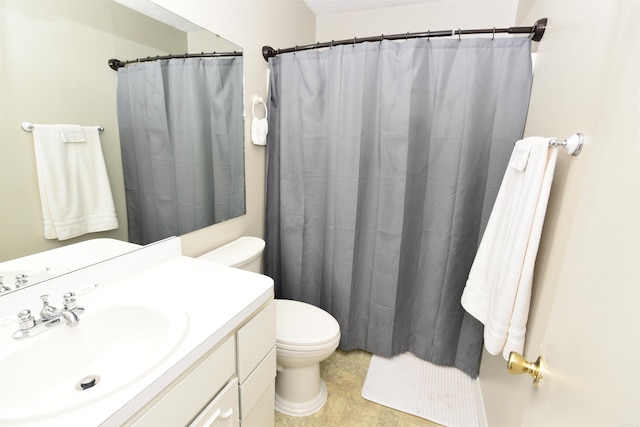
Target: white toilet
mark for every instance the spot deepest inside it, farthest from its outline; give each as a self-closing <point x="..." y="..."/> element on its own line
<point x="305" y="335"/>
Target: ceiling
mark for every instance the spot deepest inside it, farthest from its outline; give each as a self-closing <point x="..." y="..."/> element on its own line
<point x="327" y="7"/>
<point x="318" y="7"/>
<point x="152" y="10"/>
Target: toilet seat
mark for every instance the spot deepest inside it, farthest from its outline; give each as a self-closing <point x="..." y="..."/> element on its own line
<point x="304" y="327"/>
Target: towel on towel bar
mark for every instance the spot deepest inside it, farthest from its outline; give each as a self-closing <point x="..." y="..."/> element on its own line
<point x="71" y="133"/>
<point x="74" y="187"/>
<point x="498" y="290"/>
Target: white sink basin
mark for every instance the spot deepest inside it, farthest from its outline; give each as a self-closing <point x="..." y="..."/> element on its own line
<point x="116" y="345"/>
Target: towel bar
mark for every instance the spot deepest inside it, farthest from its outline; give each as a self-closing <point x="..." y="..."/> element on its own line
<point x="573" y="144"/>
<point x="28" y="127"/>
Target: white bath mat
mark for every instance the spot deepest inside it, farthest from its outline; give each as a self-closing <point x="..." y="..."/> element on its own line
<point x="443" y="395"/>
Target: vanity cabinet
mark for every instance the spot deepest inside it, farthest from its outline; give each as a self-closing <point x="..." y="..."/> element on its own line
<point x="231" y="385"/>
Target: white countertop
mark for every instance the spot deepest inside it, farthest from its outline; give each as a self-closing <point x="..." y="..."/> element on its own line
<point x="216" y="299"/>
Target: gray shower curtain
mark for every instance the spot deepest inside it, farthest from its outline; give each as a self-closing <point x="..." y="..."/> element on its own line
<point x="181" y="136"/>
<point x="384" y="160"/>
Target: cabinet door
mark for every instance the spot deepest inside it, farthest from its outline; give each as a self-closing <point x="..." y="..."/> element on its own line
<point x="255" y="340"/>
<point x="222" y="411"/>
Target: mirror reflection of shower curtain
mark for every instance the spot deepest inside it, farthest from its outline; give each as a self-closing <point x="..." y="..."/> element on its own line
<point x="384" y="160"/>
<point x="181" y="135"/>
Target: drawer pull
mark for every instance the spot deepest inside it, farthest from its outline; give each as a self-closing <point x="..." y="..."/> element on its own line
<point x="219" y="414"/>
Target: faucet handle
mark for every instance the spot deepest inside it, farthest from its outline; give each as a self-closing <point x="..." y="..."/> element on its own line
<point x="21" y="279"/>
<point x="70" y="301"/>
<point x="26" y="320"/>
<point x="3" y="287"/>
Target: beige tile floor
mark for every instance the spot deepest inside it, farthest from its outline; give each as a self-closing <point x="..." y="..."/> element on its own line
<point x="344" y="374"/>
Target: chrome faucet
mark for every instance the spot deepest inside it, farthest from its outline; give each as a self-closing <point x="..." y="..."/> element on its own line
<point x="49" y="316"/>
<point x="22" y="280"/>
<point x="70" y="312"/>
<point x="4" y="288"/>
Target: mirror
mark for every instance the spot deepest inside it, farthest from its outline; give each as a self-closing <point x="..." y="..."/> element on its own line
<point x="54" y="70"/>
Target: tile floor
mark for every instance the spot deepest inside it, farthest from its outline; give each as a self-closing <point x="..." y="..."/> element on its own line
<point x="344" y="374"/>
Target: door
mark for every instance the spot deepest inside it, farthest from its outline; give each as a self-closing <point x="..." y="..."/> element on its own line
<point x="592" y="340"/>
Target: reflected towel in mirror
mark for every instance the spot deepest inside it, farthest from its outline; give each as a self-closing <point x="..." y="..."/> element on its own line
<point x="74" y="186"/>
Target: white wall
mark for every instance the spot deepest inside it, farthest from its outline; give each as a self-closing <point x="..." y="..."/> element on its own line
<point x="434" y="16"/>
<point x="250" y="24"/>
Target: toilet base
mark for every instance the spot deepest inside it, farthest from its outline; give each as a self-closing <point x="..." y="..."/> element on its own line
<point x="302" y="409"/>
<point x="299" y="389"/>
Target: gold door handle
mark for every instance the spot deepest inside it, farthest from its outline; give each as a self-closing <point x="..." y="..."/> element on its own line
<point x="519" y="365"/>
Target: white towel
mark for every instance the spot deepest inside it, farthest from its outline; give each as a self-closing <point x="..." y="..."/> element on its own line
<point x="498" y="290"/>
<point x="74" y="186"/>
<point x="71" y="133"/>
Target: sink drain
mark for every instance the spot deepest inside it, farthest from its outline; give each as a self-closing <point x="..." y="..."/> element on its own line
<point x="87" y="382"/>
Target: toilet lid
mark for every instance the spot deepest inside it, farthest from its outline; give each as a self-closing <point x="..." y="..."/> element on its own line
<point x="299" y="324"/>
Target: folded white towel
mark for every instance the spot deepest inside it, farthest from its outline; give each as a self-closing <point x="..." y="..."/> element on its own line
<point x="259" y="130"/>
<point x="498" y="291"/>
<point x="74" y="186"/>
<point x="71" y="133"/>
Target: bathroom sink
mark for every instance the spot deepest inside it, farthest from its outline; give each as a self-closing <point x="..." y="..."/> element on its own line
<point x="65" y="367"/>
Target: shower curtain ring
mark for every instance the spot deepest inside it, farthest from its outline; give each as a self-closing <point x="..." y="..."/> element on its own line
<point x="459" y="34"/>
<point x="493" y="37"/>
<point x="354" y="42"/>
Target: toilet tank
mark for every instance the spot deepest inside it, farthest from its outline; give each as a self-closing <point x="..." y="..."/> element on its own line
<point x="245" y="253"/>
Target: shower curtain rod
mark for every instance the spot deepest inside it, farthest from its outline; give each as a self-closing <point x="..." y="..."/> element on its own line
<point x="114" y="64"/>
<point x="535" y="32"/>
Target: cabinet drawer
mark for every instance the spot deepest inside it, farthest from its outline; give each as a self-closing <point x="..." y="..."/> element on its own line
<point x="191" y="391"/>
<point x="262" y="414"/>
<point x="222" y="411"/>
<point x="259" y="380"/>
<point x="255" y="339"/>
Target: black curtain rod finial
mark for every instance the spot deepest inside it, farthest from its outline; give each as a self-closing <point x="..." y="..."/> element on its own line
<point x="267" y="52"/>
<point x="114" y="64"/>
<point x="538" y="29"/>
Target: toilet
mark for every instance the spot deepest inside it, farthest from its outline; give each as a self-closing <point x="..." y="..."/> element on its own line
<point x="305" y="335"/>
